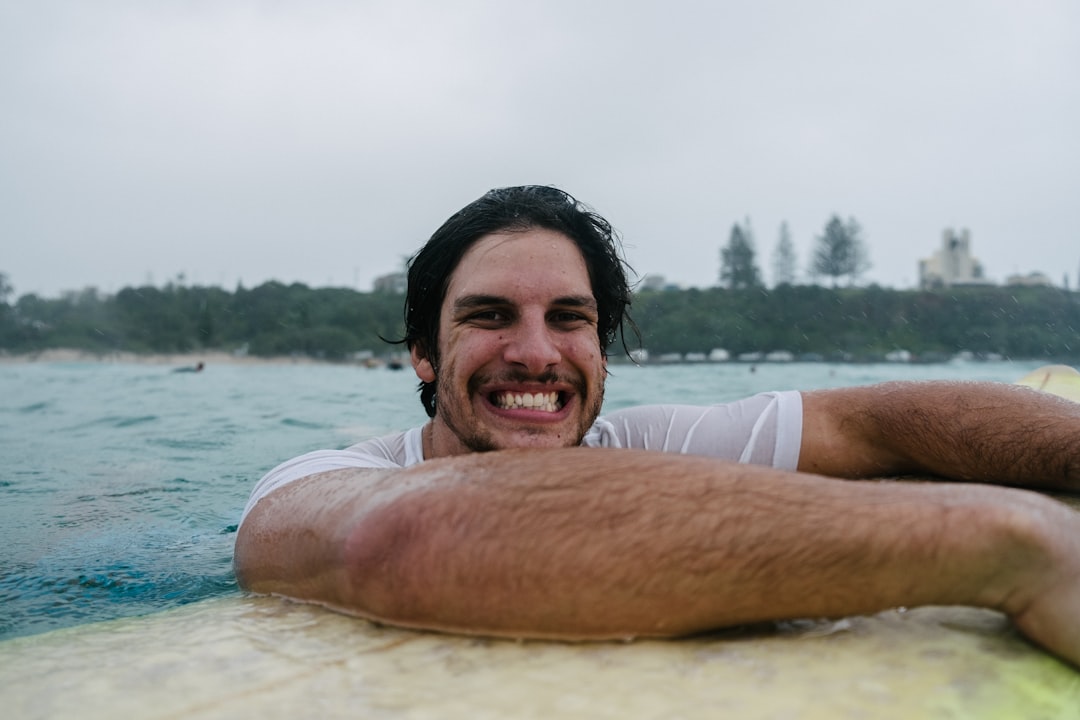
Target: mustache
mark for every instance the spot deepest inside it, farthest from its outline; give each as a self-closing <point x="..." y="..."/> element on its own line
<point x="520" y="377"/>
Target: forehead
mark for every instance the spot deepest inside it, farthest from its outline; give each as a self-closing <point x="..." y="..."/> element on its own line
<point x="533" y="264"/>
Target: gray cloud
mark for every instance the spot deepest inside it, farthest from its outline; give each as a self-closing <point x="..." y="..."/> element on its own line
<point x="322" y="141"/>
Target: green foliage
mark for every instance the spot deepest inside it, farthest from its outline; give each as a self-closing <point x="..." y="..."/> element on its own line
<point x="784" y="260"/>
<point x="271" y="319"/>
<point x="737" y="266"/>
<point x="863" y="323"/>
<point x="333" y="323"/>
<point x="840" y="252"/>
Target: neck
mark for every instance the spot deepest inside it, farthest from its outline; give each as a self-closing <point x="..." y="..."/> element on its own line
<point x="425" y="441"/>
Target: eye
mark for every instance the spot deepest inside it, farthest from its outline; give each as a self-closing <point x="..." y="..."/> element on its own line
<point x="489" y="316"/>
<point x="569" y="317"/>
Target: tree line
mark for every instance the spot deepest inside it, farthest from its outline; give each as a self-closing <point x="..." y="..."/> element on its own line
<point x="272" y="319"/>
<point x="839" y="252"/>
<point x="813" y="321"/>
<point x="864" y="323"/>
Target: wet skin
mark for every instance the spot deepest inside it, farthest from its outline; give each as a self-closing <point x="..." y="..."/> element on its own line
<point x="519" y="362"/>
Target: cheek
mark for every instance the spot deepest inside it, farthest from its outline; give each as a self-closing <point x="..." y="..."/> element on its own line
<point x="587" y="353"/>
<point x="465" y="353"/>
<point x="479" y="345"/>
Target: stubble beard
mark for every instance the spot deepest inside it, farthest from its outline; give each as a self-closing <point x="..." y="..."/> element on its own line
<point x="478" y="439"/>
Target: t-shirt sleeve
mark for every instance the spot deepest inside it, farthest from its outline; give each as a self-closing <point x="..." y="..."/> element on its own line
<point x="765" y="429"/>
<point x="393" y="451"/>
<point x="313" y="463"/>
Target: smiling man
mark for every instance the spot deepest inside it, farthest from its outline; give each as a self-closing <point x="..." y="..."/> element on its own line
<point x="519" y="510"/>
<point x="517" y="361"/>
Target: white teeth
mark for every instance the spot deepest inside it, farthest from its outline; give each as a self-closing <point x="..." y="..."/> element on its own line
<point x="545" y="402"/>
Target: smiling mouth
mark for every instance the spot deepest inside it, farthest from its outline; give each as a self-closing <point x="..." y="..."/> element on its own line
<point x="543" y="402"/>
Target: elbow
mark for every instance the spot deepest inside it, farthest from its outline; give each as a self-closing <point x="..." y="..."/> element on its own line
<point x="362" y="566"/>
<point x="259" y="563"/>
<point x="382" y="568"/>
<point x="378" y="564"/>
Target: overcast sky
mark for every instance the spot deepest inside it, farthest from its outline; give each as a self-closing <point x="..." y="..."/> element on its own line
<point x="323" y="141"/>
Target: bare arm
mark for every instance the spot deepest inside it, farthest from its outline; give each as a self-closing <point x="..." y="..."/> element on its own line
<point x="963" y="431"/>
<point x="592" y="543"/>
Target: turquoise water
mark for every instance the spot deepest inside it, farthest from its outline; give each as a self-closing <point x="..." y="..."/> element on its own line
<point x="121" y="484"/>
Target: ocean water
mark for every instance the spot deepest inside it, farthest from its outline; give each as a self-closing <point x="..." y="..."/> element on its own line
<point x="121" y="484"/>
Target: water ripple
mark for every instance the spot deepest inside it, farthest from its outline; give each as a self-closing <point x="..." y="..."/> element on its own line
<point x="307" y="425"/>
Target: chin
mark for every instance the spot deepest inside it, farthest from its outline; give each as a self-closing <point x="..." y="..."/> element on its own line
<point x="548" y="438"/>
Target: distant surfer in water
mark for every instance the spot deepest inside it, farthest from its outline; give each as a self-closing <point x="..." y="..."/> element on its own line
<point x="197" y="367"/>
<point x="518" y="510"/>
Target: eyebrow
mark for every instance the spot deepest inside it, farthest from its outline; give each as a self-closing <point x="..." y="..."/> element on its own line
<point x="470" y="302"/>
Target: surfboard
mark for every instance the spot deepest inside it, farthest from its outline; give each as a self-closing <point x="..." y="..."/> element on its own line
<point x="264" y="657"/>
<point x="259" y="656"/>
<point x="1059" y="380"/>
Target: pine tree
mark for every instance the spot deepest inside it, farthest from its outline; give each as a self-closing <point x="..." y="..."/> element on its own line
<point x="840" y="252"/>
<point x="784" y="260"/>
<point x="737" y="266"/>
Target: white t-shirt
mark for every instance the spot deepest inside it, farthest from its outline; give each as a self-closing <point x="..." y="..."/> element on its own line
<point x="765" y="429"/>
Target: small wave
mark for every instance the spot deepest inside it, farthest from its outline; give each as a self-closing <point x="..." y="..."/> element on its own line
<point x="112" y="421"/>
<point x="293" y="422"/>
<point x="122" y="422"/>
<point x="144" y="491"/>
<point x="35" y="407"/>
<point x="43" y="596"/>
<point x="188" y="444"/>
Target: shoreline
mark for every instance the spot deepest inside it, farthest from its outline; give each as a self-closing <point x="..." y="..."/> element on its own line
<point x="223" y="357"/>
<point x="208" y="358"/>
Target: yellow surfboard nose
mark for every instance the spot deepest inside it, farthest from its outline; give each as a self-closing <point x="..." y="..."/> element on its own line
<point x="1059" y="380"/>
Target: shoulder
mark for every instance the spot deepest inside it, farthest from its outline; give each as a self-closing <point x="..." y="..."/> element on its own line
<point x="781" y="407"/>
<point x="763" y="429"/>
<point x="389" y="452"/>
<point x="401" y="448"/>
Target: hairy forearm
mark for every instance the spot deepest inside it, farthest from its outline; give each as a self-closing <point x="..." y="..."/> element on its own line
<point x="987" y="432"/>
<point x="589" y="543"/>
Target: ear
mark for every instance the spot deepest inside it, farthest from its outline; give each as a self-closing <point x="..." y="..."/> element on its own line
<point x="421" y="365"/>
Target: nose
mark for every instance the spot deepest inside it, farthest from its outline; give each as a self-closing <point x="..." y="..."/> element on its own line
<point x="531" y="344"/>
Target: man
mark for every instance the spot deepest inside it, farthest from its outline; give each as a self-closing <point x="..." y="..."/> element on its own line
<point x="517" y="510"/>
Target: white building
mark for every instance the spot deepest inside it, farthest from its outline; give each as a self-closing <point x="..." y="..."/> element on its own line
<point x="953" y="264"/>
<point x="1031" y="279"/>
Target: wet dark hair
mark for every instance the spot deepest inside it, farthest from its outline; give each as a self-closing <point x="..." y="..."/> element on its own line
<point x="515" y="209"/>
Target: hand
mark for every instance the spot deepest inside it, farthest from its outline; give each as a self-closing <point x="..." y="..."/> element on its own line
<point x="1050" y="615"/>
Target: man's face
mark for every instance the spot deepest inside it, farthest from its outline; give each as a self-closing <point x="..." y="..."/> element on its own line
<point x="519" y="361"/>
